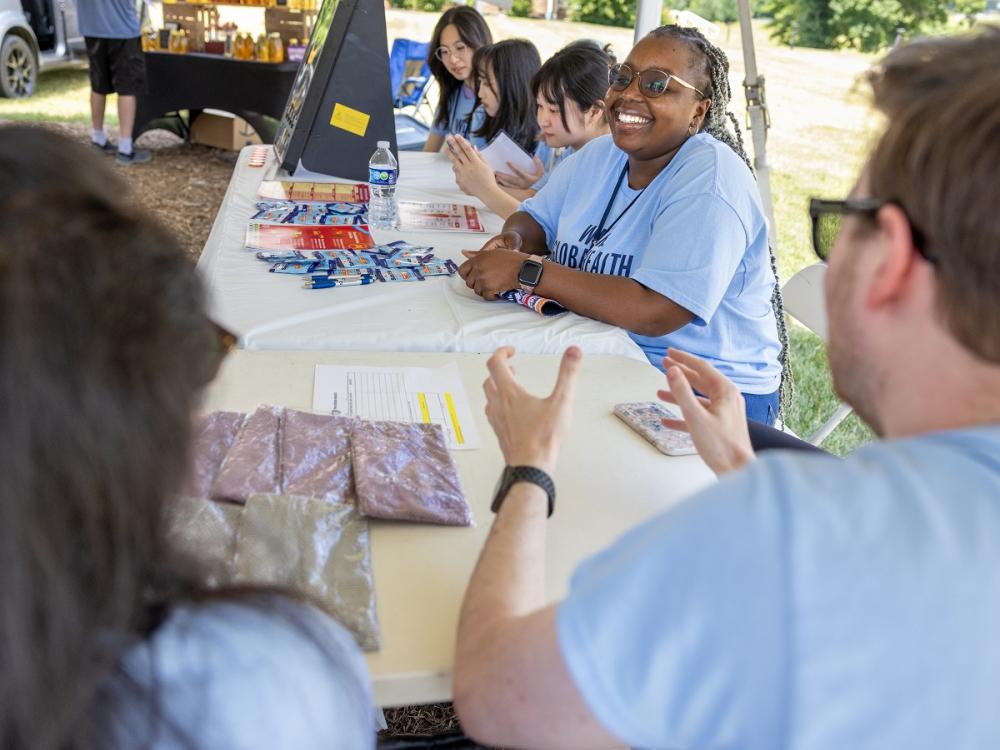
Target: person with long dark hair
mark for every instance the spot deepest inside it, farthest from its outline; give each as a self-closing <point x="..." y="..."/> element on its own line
<point x="459" y="33"/>
<point x="503" y="73"/>
<point x="568" y="91"/>
<point x="108" y="637"/>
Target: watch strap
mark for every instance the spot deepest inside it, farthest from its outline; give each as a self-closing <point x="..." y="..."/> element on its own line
<point x="514" y="474"/>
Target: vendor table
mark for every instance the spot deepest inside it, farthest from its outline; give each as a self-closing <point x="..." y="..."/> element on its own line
<point x="272" y="311"/>
<point x="195" y="81"/>
<point x="608" y="480"/>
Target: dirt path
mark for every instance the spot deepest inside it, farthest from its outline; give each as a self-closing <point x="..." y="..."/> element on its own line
<point x="182" y="186"/>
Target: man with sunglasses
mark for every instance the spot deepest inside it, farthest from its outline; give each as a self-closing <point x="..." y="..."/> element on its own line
<point x="801" y="602"/>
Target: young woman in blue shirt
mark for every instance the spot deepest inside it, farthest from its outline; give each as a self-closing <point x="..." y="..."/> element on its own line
<point x="458" y="34"/>
<point x="658" y="228"/>
<point x="568" y="94"/>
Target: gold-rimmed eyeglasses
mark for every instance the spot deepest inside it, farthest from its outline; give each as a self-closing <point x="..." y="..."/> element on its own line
<point x="652" y="82"/>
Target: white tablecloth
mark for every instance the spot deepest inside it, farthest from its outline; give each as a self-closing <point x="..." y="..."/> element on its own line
<point x="608" y="480"/>
<point x="273" y="311"/>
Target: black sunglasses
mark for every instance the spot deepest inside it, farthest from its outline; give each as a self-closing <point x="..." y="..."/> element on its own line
<point x="652" y="82"/>
<point x="827" y="217"/>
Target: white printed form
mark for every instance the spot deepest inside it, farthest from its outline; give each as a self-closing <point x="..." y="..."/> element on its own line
<point x="399" y="394"/>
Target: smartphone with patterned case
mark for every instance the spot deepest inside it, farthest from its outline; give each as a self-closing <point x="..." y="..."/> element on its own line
<point x="644" y="417"/>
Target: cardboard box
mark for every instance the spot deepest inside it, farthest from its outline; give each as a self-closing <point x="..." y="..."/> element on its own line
<point x="223" y="130"/>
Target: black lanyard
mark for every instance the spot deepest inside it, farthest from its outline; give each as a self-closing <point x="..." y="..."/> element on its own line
<point x="601" y="232"/>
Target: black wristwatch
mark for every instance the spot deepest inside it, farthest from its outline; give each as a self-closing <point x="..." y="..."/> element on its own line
<point x="514" y="474"/>
<point x="530" y="274"/>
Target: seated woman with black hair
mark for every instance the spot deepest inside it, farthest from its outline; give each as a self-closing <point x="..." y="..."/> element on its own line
<point x="568" y="91"/>
<point x="109" y="639"/>
<point x="658" y="228"/>
<point x="503" y="75"/>
<point x="459" y="33"/>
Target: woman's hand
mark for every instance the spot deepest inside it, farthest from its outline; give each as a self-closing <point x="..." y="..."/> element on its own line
<point x="494" y="269"/>
<point x="716" y="422"/>
<point x="530" y="430"/>
<point x="473" y="173"/>
<point x="521" y="179"/>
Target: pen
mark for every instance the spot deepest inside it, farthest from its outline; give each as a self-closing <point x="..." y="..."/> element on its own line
<point x="329" y="283"/>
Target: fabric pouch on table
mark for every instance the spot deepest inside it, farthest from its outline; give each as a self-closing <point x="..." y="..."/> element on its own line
<point x="251" y="465"/>
<point x="317" y="547"/>
<point x="316" y="456"/>
<point x="404" y="472"/>
<point x="207" y="531"/>
<point x="214" y="435"/>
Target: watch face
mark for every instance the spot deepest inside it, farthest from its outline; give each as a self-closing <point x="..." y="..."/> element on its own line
<point x="531" y="273"/>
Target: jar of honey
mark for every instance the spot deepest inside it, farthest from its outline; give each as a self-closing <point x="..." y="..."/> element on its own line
<point x="275" y="48"/>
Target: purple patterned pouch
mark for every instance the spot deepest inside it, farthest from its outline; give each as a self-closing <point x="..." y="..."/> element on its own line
<point x="252" y="463"/>
<point x="404" y="472"/>
<point x="316" y="456"/>
<point x="214" y="435"/>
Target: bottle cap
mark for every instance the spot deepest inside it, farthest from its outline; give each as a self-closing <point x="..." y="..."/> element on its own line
<point x="383" y="144"/>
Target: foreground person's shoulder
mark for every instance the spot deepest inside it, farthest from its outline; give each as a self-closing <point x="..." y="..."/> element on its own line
<point x="260" y="672"/>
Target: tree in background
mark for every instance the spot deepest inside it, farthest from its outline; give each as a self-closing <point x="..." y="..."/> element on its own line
<point x="716" y="11"/>
<point x="605" y="12"/>
<point x="866" y="25"/>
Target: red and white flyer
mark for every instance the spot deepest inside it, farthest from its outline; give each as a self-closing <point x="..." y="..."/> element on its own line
<point x="453" y="217"/>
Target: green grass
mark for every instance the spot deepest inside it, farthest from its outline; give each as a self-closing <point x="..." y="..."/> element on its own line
<point x="815" y="401"/>
<point x="822" y="126"/>
<point x="60" y="96"/>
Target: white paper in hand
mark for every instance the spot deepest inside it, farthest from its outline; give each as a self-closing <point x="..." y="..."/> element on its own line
<point x="502" y="150"/>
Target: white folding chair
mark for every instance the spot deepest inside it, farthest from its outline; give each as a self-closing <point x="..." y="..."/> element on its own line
<point x="803" y="296"/>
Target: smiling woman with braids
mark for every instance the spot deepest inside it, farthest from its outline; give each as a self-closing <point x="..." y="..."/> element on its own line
<point x="671" y="243"/>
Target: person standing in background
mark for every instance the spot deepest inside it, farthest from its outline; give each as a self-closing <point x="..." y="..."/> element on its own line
<point x="114" y="51"/>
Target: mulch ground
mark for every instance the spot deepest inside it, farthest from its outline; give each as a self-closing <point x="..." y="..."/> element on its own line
<point x="182" y="186"/>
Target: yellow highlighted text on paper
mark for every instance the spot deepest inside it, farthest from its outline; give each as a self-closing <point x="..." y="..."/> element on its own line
<point x="454" y="418"/>
<point x="424" y="413"/>
<point x="351" y="120"/>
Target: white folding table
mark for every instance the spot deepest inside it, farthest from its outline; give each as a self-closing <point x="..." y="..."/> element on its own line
<point x="608" y="480"/>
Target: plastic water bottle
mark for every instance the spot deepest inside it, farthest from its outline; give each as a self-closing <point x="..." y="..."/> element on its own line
<point x="383" y="213"/>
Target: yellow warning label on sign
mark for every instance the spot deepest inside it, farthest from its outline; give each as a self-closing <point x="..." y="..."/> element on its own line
<point x="349" y="119"/>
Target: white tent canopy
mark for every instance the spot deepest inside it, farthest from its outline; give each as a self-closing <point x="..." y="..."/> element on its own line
<point x="647" y="18"/>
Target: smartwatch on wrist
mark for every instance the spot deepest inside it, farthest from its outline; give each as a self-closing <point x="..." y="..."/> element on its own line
<point x="530" y="274"/>
<point x="514" y="474"/>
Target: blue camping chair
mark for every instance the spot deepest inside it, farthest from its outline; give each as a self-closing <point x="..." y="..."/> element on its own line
<point x="410" y="76"/>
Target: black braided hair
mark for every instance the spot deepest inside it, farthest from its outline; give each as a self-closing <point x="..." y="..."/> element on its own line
<point x="715" y="72"/>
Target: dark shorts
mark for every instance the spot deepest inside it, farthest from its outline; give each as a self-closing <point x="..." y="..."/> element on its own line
<point x="116" y="66"/>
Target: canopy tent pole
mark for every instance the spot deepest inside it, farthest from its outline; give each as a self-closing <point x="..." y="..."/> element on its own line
<point x="758" y="119"/>
<point x="648" y="16"/>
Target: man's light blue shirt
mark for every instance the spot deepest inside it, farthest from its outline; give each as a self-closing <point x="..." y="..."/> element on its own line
<point x="806" y="602"/>
<point x="697" y="236"/>
<point x="107" y="19"/>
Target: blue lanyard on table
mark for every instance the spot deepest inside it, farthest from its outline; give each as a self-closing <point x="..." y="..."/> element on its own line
<point x="600" y="233"/>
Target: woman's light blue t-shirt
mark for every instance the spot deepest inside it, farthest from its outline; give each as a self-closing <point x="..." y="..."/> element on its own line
<point x="237" y="676"/>
<point x="805" y="602"/>
<point x="697" y="236"/>
<point x="550" y="158"/>
<point x="464" y="117"/>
